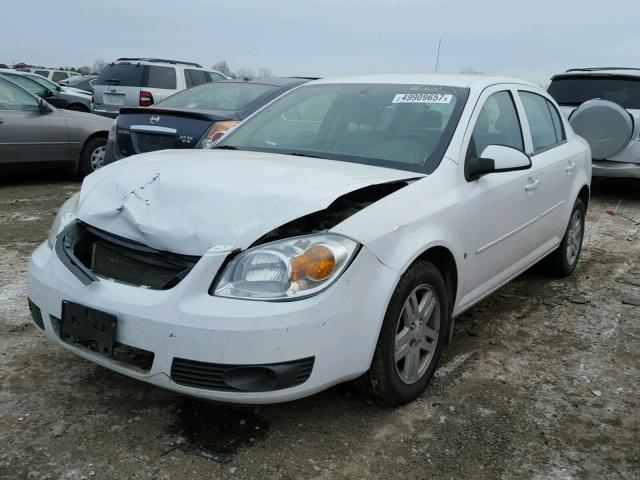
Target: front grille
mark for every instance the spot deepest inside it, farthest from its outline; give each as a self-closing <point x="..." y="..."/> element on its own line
<point x="247" y="378"/>
<point x="36" y="314"/>
<point x="109" y="256"/>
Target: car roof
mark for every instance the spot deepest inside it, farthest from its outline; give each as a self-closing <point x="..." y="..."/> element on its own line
<point x="443" y="79"/>
<point x="273" y="81"/>
<point x="599" y="71"/>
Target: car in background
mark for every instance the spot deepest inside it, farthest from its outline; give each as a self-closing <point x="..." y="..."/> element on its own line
<point x="192" y="118"/>
<point x="335" y="234"/>
<point x="58" y="96"/>
<point x="603" y="106"/>
<point x="53" y="74"/>
<point x="33" y="131"/>
<point x="81" y="82"/>
<point x="141" y="82"/>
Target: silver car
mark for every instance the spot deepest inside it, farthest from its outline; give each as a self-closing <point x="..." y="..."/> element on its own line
<point x="31" y="130"/>
<point x="141" y="82"/>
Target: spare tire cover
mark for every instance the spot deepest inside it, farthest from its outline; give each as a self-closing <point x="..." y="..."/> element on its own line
<point x="605" y="125"/>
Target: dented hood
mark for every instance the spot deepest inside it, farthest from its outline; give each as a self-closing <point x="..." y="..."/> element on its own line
<point x="187" y="201"/>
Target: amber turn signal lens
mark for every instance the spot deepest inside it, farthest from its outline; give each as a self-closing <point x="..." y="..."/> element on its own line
<point x="316" y="263"/>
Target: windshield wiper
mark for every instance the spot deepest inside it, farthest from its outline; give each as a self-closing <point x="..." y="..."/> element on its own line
<point x="112" y="81"/>
<point x="300" y="154"/>
<point x="225" y="147"/>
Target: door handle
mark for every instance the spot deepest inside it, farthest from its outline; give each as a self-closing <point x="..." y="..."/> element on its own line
<point x="532" y="185"/>
<point x="571" y="167"/>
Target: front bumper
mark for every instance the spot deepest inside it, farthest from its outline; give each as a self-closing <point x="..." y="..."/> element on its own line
<point x="338" y="327"/>
<point x="606" y="168"/>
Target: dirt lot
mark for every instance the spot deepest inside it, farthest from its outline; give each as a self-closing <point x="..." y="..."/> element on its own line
<point x="542" y="382"/>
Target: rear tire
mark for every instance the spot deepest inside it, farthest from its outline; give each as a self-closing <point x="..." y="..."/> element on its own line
<point x="92" y="156"/>
<point x="563" y="261"/>
<point x="411" y="338"/>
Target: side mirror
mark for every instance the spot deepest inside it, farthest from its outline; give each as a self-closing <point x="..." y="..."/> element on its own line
<point x="43" y="107"/>
<point x="496" y="159"/>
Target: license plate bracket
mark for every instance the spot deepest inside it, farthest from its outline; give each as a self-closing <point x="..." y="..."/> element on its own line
<point x="86" y="326"/>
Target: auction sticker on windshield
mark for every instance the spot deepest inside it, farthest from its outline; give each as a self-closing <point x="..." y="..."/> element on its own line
<point x="422" y="98"/>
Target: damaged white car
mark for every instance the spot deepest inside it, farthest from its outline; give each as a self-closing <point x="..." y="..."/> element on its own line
<point x="334" y="234"/>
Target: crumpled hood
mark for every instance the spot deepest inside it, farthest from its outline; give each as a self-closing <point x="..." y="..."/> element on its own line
<point x="187" y="201"/>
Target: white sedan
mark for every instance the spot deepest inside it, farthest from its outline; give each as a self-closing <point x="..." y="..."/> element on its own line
<point x="335" y="234"/>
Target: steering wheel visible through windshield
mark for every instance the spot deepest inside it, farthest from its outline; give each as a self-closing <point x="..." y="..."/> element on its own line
<point x="406" y="127"/>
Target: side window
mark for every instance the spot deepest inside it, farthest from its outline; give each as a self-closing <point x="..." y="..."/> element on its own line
<point x="497" y="124"/>
<point x="561" y="136"/>
<point x="57" y="76"/>
<point x="214" y="77"/>
<point x="543" y="130"/>
<point x="14" y="98"/>
<point x="42" y="73"/>
<point x="162" y="77"/>
<point x="187" y="78"/>
<point x="198" y="77"/>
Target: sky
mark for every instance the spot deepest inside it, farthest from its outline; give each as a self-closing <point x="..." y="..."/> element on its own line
<point x="328" y="38"/>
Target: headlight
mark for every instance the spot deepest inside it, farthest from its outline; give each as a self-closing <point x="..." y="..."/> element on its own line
<point x="287" y="269"/>
<point x="66" y="214"/>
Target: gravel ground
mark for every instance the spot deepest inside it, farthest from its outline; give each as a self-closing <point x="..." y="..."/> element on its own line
<point x="542" y="382"/>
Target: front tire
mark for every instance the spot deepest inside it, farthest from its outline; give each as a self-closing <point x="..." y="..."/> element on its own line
<point x="412" y="337"/>
<point x="563" y="261"/>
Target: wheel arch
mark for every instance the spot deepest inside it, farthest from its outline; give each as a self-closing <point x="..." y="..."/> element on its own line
<point x="94" y="135"/>
<point x="79" y="107"/>
<point x="584" y="195"/>
<point x="444" y="260"/>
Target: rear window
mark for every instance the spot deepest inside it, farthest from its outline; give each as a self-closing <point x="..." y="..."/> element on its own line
<point x="123" y="75"/>
<point x="217" y="96"/>
<point x="137" y="75"/>
<point x="44" y="73"/>
<point x="576" y="90"/>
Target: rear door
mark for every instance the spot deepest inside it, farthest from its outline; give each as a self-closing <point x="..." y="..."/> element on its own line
<point x="26" y="133"/>
<point x="553" y="158"/>
<point x="118" y="85"/>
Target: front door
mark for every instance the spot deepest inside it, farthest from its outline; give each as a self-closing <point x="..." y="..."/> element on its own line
<point x="501" y="209"/>
<point x="28" y="134"/>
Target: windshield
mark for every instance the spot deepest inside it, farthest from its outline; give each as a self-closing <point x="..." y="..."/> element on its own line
<point x="28" y="84"/>
<point x="576" y="90"/>
<point x="407" y="127"/>
<point x="227" y="96"/>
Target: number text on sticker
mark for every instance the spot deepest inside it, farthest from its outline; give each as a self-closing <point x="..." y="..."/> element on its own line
<point x="422" y="98"/>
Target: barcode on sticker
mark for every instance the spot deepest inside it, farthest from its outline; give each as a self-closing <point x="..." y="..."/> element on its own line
<point x="422" y="98"/>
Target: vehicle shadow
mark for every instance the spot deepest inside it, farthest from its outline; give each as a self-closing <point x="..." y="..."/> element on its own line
<point x="616" y="188"/>
<point x="15" y="177"/>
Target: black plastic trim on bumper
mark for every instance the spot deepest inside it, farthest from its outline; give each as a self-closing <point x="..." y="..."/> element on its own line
<point x="36" y="314"/>
<point x="64" y="250"/>
<point x="241" y="378"/>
